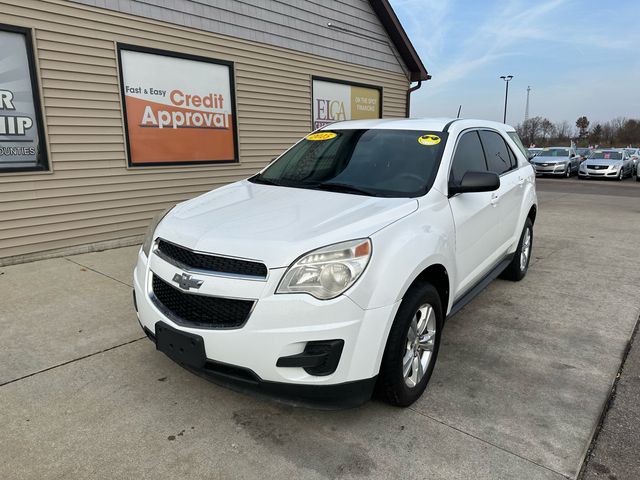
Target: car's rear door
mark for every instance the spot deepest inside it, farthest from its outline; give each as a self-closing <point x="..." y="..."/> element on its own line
<point x="476" y="218"/>
<point x="501" y="160"/>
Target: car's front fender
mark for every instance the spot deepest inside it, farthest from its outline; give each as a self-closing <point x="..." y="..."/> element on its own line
<point x="403" y="250"/>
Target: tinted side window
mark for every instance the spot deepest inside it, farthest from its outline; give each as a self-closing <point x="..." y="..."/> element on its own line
<point x="496" y="150"/>
<point x="469" y="157"/>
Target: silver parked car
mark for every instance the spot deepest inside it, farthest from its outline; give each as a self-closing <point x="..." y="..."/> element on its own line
<point x="610" y="163"/>
<point x="556" y="161"/>
<point x="533" y="152"/>
<point x="634" y="155"/>
<point x="583" y="153"/>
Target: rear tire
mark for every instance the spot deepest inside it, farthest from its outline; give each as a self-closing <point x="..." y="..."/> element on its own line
<point x="519" y="266"/>
<point x="404" y="371"/>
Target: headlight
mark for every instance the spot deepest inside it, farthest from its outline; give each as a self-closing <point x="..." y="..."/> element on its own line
<point x="329" y="271"/>
<point x="148" y="237"/>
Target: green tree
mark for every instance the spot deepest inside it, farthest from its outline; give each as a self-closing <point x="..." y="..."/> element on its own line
<point x="583" y="126"/>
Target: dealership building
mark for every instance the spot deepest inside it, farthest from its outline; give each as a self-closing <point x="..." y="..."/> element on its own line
<point x="112" y="110"/>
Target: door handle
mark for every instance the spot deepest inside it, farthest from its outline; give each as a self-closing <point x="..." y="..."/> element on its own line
<point x="520" y="180"/>
<point x="494" y="199"/>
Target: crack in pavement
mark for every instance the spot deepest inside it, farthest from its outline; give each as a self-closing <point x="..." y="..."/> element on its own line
<point x="71" y="361"/>
<point x="98" y="272"/>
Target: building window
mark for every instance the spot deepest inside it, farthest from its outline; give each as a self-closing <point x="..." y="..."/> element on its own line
<point x="335" y="101"/>
<point x="178" y="109"/>
<point x="22" y="141"/>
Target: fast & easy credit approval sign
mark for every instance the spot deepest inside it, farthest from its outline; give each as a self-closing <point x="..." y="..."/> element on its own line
<point x="177" y="109"/>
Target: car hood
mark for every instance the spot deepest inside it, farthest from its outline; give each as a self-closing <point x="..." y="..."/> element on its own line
<point x="601" y="161"/>
<point x="276" y="224"/>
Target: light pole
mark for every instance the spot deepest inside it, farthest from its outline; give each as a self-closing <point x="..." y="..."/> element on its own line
<point x="507" y="79"/>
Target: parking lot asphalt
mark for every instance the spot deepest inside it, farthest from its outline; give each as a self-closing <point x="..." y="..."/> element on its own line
<point x="524" y="373"/>
<point x="628" y="187"/>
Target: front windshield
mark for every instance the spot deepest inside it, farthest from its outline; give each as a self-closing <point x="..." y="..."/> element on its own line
<point x="376" y="162"/>
<point x="606" y="155"/>
<point x="582" y="151"/>
<point x="554" y="152"/>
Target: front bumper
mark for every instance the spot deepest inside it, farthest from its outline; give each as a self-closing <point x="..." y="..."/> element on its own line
<point x="588" y="172"/>
<point x="328" y="397"/>
<point x="279" y="326"/>
<point x="558" y="169"/>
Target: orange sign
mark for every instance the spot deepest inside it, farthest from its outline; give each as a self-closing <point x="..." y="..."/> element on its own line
<point x="178" y="110"/>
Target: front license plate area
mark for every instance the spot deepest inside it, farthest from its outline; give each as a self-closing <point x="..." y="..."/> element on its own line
<point x="182" y="347"/>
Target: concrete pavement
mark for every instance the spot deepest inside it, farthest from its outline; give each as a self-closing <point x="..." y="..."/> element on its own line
<point x="615" y="455"/>
<point x="523" y="375"/>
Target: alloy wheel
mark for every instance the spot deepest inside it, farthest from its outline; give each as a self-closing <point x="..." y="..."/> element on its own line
<point x="525" y="251"/>
<point x="420" y="342"/>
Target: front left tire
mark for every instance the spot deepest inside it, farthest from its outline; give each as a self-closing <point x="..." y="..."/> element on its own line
<point x="412" y="346"/>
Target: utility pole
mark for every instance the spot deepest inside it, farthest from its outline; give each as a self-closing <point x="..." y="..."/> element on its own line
<point x="526" y="108"/>
<point x="507" y="79"/>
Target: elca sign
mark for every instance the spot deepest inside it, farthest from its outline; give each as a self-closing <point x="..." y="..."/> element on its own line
<point x="329" y="111"/>
<point x="334" y="102"/>
<point x="12" y="124"/>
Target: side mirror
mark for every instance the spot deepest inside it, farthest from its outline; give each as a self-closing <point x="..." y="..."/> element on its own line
<point x="572" y="155"/>
<point x="475" y="182"/>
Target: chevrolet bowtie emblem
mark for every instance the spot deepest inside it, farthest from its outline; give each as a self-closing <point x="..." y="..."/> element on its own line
<point x="185" y="281"/>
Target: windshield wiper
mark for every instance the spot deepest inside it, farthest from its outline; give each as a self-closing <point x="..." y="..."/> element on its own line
<point x="346" y="188"/>
<point x="265" y="181"/>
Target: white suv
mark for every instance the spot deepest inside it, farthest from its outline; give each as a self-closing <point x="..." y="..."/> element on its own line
<point x="332" y="271"/>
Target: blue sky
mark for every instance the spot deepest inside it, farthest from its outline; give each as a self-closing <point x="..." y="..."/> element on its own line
<point x="581" y="57"/>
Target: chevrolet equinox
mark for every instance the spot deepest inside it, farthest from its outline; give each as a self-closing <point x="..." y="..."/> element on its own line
<point x="329" y="275"/>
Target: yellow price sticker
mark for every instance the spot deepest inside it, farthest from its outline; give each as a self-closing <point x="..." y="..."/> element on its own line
<point x="319" y="136"/>
<point x="429" y="140"/>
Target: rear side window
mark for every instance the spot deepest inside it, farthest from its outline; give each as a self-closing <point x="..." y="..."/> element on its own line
<point x="496" y="151"/>
<point x="469" y="157"/>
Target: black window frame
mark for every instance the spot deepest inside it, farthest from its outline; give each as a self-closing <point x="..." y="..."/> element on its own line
<point x="186" y="56"/>
<point x="42" y="162"/>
